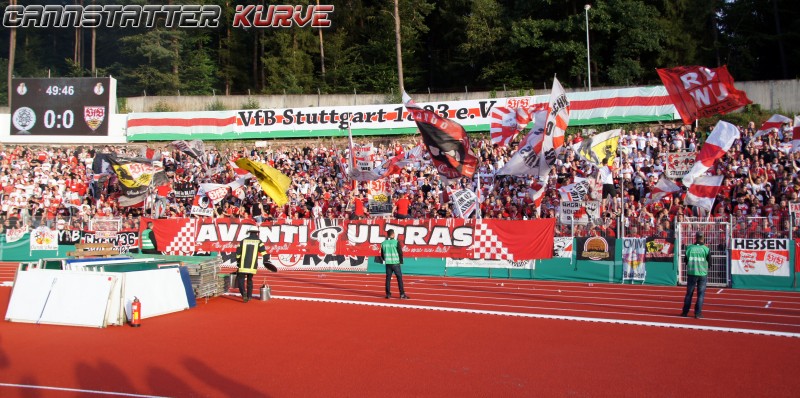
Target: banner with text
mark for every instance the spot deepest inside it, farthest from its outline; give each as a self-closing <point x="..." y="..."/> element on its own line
<point x="633" y="259"/>
<point x="594" y="107"/>
<point x="760" y="257"/>
<point x="455" y="238"/>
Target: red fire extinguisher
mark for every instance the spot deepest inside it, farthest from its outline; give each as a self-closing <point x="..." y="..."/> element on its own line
<point x="136" y="312"/>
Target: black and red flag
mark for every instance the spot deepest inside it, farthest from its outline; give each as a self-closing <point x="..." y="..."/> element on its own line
<point x="446" y="141"/>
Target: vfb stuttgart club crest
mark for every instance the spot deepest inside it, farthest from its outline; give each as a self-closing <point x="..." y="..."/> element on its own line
<point x="94" y="115"/>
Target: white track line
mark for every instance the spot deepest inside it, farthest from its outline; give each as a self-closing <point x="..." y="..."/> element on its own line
<point x="556" y="317"/>
<point x="78" y="390"/>
<point x="552" y="309"/>
<point x="542" y="297"/>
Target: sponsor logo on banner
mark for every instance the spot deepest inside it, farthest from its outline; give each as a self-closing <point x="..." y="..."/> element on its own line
<point x="595" y="248"/>
<point x="15" y="234"/>
<point x="583" y="212"/>
<point x="94" y="116"/>
<point x="562" y="247"/>
<point x="679" y="164"/>
<point x="659" y="250"/>
<point x="378" y="200"/>
<point x="633" y="259"/>
<point x="760" y="257"/>
<point x="479" y="263"/>
<point x="44" y="238"/>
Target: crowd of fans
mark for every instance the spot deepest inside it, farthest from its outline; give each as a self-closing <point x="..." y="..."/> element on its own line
<point x="55" y="185"/>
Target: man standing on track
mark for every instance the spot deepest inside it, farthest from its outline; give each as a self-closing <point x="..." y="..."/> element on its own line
<point x="696" y="275"/>
<point x="250" y="250"/>
<point x="392" y="257"/>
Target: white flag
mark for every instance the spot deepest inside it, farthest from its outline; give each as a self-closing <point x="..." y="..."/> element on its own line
<point x="703" y="192"/>
<point x="716" y="145"/>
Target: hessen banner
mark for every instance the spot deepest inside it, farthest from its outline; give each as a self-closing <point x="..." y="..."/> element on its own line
<point x="454" y="238"/>
<point x="760" y="257"/>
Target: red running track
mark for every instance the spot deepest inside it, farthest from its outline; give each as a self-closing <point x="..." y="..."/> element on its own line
<point x="401" y="348"/>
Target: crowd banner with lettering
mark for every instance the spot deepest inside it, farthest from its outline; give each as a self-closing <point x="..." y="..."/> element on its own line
<point x="562" y="246"/>
<point x="659" y="250"/>
<point x="464" y="203"/>
<point x="124" y="240"/>
<point x="679" y="164"/>
<point x="379" y="202"/>
<point x="184" y="190"/>
<point x="583" y="212"/>
<point x="455" y="238"/>
<point x="634" y="267"/>
<point x="497" y="264"/>
<point x="596" y="248"/>
<point x="594" y="107"/>
<point x="760" y="257"/>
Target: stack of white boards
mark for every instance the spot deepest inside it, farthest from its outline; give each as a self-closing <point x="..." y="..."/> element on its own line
<point x="94" y="299"/>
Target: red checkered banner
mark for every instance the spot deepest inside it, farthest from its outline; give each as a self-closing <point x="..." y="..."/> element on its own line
<point x="513" y="240"/>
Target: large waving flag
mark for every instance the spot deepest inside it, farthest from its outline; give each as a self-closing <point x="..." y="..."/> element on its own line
<point x="507" y="122"/>
<point x="446" y="140"/>
<point x="578" y="191"/>
<point x="536" y="156"/>
<point x="774" y="122"/>
<point x="598" y="147"/>
<point x="703" y="192"/>
<point x="136" y="175"/>
<point x="663" y="187"/>
<point x="272" y="182"/>
<point x="195" y="149"/>
<point x="215" y="192"/>
<point x="699" y="92"/>
<point x="716" y="145"/>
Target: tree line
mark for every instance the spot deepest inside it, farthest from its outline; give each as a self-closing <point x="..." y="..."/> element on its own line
<point x="447" y="45"/>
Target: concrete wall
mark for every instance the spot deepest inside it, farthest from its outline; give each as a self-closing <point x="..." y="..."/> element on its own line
<point x="773" y="94"/>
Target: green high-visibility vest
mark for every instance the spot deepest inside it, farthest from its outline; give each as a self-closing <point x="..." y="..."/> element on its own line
<point x="697" y="259"/>
<point x="147" y="244"/>
<point x="389" y="252"/>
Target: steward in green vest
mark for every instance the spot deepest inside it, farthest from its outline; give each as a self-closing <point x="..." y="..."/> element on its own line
<point x="148" y="240"/>
<point x="392" y="257"/>
<point x="697" y="259"/>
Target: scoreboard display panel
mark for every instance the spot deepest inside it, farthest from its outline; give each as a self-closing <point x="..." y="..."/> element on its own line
<point x="61" y="106"/>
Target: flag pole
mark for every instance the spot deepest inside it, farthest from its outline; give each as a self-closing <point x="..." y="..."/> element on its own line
<point x="478" y="198"/>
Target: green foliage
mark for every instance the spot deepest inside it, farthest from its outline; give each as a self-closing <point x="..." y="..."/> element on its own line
<point x="446" y="45"/>
<point x="250" y="103"/>
<point x="122" y="106"/>
<point x="216" y="105"/>
<point x="162" y="106"/>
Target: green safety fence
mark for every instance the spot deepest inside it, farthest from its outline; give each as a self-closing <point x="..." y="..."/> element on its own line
<point x="555" y="269"/>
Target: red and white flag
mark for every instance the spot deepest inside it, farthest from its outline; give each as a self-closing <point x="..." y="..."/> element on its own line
<point x="503" y="126"/>
<point x="775" y="122"/>
<point x="535" y="157"/>
<point x="663" y="187"/>
<point x="237" y="188"/>
<point x="698" y="92"/>
<point x="703" y="192"/>
<point x="506" y="123"/>
<point x="717" y="144"/>
<point x="796" y="135"/>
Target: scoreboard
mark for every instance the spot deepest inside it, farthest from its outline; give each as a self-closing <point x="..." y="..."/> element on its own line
<point x="62" y="106"/>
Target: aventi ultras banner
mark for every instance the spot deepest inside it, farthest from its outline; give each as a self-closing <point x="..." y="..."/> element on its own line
<point x="456" y="238"/>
